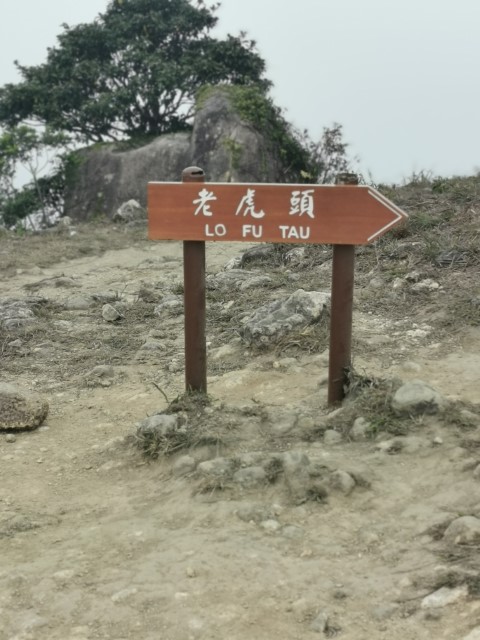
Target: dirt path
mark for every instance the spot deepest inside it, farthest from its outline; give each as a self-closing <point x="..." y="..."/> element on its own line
<point x="98" y="542"/>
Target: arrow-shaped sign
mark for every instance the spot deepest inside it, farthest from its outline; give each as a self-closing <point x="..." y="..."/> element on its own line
<point x="296" y="213"/>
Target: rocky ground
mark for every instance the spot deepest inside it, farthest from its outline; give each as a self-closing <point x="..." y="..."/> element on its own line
<point x="133" y="511"/>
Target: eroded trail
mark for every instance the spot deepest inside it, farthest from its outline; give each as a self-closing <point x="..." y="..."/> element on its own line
<point x="100" y="542"/>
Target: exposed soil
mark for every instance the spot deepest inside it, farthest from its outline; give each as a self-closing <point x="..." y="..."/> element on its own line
<point x="100" y="541"/>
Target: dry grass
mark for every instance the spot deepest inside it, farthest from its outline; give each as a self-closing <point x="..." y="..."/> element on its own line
<point x="196" y="428"/>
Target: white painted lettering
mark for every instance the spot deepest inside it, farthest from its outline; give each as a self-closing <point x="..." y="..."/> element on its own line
<point x="294" y="233"/>
<point x="218" y="231"/>
<point x="252" y="230"/>
<point x="304" y="233"/>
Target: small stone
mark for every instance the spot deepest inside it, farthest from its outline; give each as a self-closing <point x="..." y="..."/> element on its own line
<point x="153" y="345"/>
<point x="10" y="437"/>
<point x="417" y="397"/>
<point x="130" y="211"/>
<point x="170" y="303"/>
<point x="271" y="525"/>
<point x="443" y="597"/>
<point x="438" y="440"/>
<point x="124" y="594"/>
<point x="342" y="481"/>
<point x="65" y="282"/>
<point x="305" y="423"/>
<point x="331" y="437"/>
<point x="397" y="284"/>
<point x="250" y="477"/>
<point x="63" y="576"/>
<point x="217" y="468"/>
<point x="191" y="573"/>
<point x="100" y="375"/>
<point x="255" y="513"/>
<point x="464" y="530"/>
<point x="390" y="446"/>
<point x="360" y="430"/>
<point x="77" y="303"/>
<point x="469" y="464"/>
<point x="110" y="314"/>
<point x="425" y="285"/>
<point x="160" y="424"/>
<point x="469" y="417"/>
<point x="320" y="624"/>
<point x="256" y="282"/>
<point x="20" y="409"/>
<point x="276" y="319"/>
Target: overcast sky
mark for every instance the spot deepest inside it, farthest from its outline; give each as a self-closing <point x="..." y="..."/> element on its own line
<point x="401" y="76"/>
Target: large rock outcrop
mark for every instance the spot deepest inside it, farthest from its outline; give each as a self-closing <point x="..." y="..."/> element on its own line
<point x="226" y="147"/>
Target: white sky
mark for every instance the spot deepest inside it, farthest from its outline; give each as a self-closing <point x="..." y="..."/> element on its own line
<point x="401" y="76"/>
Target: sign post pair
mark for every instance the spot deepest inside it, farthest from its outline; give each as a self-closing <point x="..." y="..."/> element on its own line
<point x="344" y="215"/>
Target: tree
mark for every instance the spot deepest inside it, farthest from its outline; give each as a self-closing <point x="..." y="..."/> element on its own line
<point x="134" y="71"/>
<point x="328" y="156"/>
<point x="25" y="146"/>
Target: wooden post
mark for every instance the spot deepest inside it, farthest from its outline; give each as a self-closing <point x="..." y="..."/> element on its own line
<point x="194" y="304"/>
<point x="343" y="269"/>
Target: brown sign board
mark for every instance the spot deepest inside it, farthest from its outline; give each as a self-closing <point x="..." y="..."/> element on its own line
<point x="296" y="213"/>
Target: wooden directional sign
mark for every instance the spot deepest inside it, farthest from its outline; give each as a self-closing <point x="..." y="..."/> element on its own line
<point x="296" y="213"/>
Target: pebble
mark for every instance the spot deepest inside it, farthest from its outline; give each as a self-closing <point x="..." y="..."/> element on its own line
<point x="443" y="597"/>
<point x="470" y="417"/>
<point x="464" y="530"/>
<point x="332" y="437"/>
<point x="110" y="314"/>
<point x="125" y="594"/>
<point x="217" y="468"/>
<point x="78" y="303"/>
<point x="10" y="437"/>
<point x="320" y="624"/>
<point x="469" y="464"/>
<point x="342" y="481"/>
<point x="271" y="526"/>
<point x="416" y="397"/>
<point x="360" y="429"/>
<point x="250" y="477"/>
